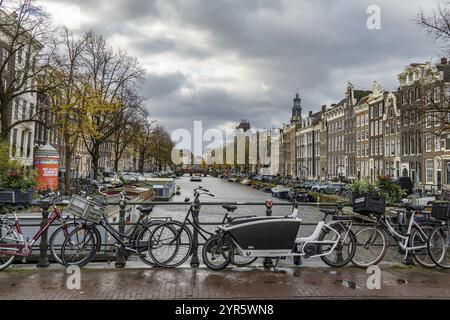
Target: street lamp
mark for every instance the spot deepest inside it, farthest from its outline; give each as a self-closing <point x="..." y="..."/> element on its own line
<point x="340" y="168"/>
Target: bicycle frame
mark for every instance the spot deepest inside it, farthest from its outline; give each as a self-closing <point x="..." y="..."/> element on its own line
<point x="402" y="240"/>
<point x="24" y="248"/>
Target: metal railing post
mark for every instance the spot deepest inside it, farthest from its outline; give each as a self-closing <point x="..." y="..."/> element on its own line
<point x="43" y="246"/>
<point x="268" y="261"/>
<point x="120" y="256"/>
<point x="195" y="262"/>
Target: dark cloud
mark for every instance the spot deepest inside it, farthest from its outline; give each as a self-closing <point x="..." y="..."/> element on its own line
<point x="223" y="60"/>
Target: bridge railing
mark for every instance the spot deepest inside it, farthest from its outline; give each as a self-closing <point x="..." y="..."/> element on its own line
<point x="43" y="259"/>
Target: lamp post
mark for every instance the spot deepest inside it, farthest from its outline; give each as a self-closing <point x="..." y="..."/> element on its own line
<point x="340" y="168"/>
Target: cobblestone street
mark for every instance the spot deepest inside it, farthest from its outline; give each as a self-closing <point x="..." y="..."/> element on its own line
<point x="244" y="283"/>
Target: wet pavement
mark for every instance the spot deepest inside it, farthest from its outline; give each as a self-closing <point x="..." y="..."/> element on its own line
<point x="242" y="283"/>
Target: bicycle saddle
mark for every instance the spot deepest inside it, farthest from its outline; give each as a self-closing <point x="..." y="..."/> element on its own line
<point x="229" y="208"/>
<point x="145" y="210"/>
<point x="328" y="211"/>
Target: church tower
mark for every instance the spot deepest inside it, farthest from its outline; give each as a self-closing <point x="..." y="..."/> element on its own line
<point x="296" y="110"/>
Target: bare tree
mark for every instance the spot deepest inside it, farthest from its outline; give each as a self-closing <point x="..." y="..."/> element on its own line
<point x="143" y="141"/>
<point x="108" y="74"/>
<point x="25" y="32"/>
<point x="129" y="126"/>
<point x="435" y="98"/>
<point x="64" y="101"/>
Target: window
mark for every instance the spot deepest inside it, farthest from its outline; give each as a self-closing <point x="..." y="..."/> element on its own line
<point x="14" y="143"/>
<point x="437" y="119"/>
<point x="429" y="169"/>
<point x="437" y="142"/>
<point x="376" y="147"/>
<point x="19" y="56"/>
<point x="419" y="142"/>
<point x="428" y="120"/>
<point x="387" y="148"/>
<point x="29" y="144"/>
<point x="22" y="143"/>
<point x="398" y="147"/>
<point x="437" y="94"/>
<point x="428" y="142"/>
<point x="24" y="109"/>
<point x="447" y="142"/>
<point x="447" y="166"/>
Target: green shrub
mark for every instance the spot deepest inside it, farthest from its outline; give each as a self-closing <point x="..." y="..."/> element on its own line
<point x="384" y="186"/>
<point x="12" y="174"/>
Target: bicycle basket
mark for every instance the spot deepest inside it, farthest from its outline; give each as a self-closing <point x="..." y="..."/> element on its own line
<point x="440" y="210"/>
<point x="367" y="204"/>
<point x="86" y="209"/>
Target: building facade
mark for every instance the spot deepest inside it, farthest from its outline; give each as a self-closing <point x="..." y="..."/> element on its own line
<point x="362" y="138"/>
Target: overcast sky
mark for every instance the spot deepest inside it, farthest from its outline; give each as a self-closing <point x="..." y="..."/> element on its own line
<point x="223" y="60"/>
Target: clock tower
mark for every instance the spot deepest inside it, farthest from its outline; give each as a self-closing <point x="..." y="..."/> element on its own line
<point x="296" y="110"/>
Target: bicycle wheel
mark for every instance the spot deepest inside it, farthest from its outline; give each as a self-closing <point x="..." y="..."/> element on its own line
<point x="142" y="241"/>
<point x="170" y="244"/>
<point x="8" y="236"/>
<point x="371" y="246"/>
<point x="419" y="240"/>
<point x="240" y="261"/>
<point x="438" y="246"/>
<point x="57" y="238"/>
<point x="80" y="247"/>
<point x="216" y="252"/>
<point x="343" y="252"/>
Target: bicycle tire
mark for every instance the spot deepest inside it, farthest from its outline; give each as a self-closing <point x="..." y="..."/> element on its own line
<point x="421" y="255"/>
<point x="55" y="235"/>
<point x="351" y="253"/>
<point x="146" y="228"/>
<point x="90" y="234"/>
<point x="9" y="259"/>
<point x="217" y="245"/>
<point x="233" y="261"/>
<point x="439" y="236"/>
<point x="157" y="242"/>
<point x="362" y="245"/>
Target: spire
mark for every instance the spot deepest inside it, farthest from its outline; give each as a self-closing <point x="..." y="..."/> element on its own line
<point x="297" y="109"/>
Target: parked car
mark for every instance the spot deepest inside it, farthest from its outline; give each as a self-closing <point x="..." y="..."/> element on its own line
<point x="128" y="177"/>
<point x="331" y="188"/>
<point x="315" y="186"/>
<point x="419" y="198"/>
<point x="111" y="178"/>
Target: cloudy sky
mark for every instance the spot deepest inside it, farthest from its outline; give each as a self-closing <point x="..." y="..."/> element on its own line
<point x="223" y="60"/>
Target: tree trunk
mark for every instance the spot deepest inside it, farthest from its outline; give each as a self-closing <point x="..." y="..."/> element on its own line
<point x="68" y="175"/>
<point x="141" y="160"/>
<point x="4" y="123"/>
<point x="95" y="158"/>
<point x="116" y="164"/>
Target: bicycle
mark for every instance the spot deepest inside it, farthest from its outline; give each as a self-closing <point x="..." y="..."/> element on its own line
<point x="411" y="231"/>
<point x="80" y="247"/>
<point x="277" y="237"/>
<point x="163" y="240"/>
<point x="13" y="244"/>
<point x="439" y="240"/>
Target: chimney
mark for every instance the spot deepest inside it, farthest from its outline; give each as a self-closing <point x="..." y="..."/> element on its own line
<point x="324" y="108"/>
<point x="444" y="61"/>
<point x="310" y="114"/>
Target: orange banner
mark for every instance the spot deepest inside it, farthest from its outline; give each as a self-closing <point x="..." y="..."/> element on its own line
<point x="47" y="173"/>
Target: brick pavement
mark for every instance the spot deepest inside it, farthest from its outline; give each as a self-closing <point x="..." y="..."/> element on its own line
<point x="245" y="283"/>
